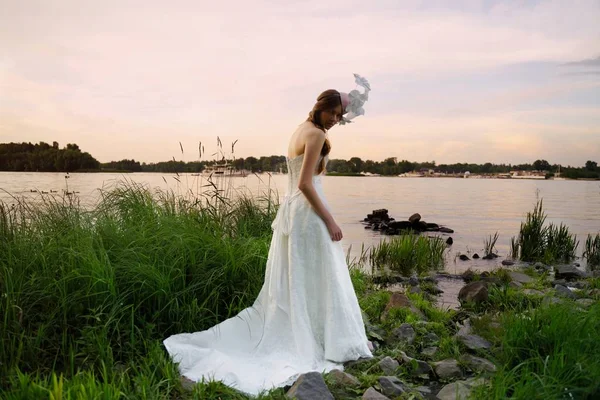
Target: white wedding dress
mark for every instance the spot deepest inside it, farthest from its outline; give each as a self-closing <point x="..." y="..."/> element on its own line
<point x="306" y="317"/>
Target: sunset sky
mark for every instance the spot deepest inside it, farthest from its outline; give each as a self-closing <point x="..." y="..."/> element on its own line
<point x="452" y="81"/>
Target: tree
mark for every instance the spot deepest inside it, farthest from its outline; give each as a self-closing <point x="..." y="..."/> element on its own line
<point x="591" y="165"/>
<point x="541" y="165"/>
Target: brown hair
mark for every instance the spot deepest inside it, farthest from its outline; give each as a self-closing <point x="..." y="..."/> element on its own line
<point x="328" y="100"/>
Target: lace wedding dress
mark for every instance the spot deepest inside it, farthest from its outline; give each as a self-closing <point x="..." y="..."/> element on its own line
<point x="306" y="317"/>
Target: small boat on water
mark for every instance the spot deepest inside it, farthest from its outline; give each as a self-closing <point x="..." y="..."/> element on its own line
<point x="224" y="169"/>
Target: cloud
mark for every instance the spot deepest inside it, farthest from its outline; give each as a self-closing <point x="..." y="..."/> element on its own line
<point x="590" y="62"/>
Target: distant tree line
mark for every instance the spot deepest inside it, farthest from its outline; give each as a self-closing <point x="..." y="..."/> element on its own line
<point x="44" y="157"/>
<point x="50" y="158"/>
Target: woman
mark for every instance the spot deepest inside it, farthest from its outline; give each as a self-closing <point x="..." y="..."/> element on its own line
<point x="306" y="317"/>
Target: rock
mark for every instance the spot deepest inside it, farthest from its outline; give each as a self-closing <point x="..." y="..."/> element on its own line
<point x="465" y="328"/>
<point x="187" y="384"/>
<point x="533" y="292"/>
<point x="464" y="257"/>
<point x="475" y="256"/>
<point x="449" y="241"/>
<point x="443" y="229"/>
<point x="420" y="226"/>
<point x="585" y="302"/>
<point x="413" y="281"/>
<point x="569" y="272"/>
<point x="474" y="342"/>
<point x="388" y="365"/>
<point x="473" y="292"/>
<point x="341" y="378"/>
<point x="490" y="256"/>
<point x="434" y="290"/>
<point x="564" y="291"/>
<point x="415" y="290"/>
<point x="541" y="266"/>
<point x="447" y="369"/>
<point x="392" y="386"/>
<point x="431" y="227"/>
<point x="404" y="333"/>
<point x="431" y="338"/>
<point x="455" y="391"/>
<point x="353" y="363"/>
<point x="414" y="218"/>
<point x="559" y="282"/>
<point x="468" y="275"/>
<point x="478" y="364"/>
<point x="425" y="391"/>
<point x="429" y="351"/>
<point x="372" y="394"/>
<point x="578" y="285"/>
<point x="399" y="300"/>
<point x="310" y="386"/>
<point x="515" y="285"/>
<point x="416" y="367"/>
<point x="551" y="300"/>
<point x="520" y="277"/>
<point x="508" y="263"/>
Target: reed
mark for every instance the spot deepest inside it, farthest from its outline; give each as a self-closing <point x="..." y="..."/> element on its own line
<point x="592" y="251"/>
<point x="408" y="254"/>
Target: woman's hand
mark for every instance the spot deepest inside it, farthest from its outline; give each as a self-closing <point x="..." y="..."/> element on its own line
<point x="334" y="231"/>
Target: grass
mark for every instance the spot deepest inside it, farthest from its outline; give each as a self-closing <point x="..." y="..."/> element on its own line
<point x="83" y="292"/>
<point x="408" y="254"/>
<point x="489" y="244"/>
<point x="548" y="353"/>
<point x="545" y="243"/>
<point x="592" y="251"/>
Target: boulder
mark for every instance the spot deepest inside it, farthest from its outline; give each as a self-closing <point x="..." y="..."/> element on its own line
<point x="464" y="257"/>
<point x="474" y="342"/>
<point x="475" y="256"/>
<point x="443" y="229"/>
<point x="310" y="386"/>
<point x="532" y="292"/>
<point x="454" y="391"/>
<point x="414" y="218"/>
<point x="341" y="378"/>
<point x="508" y="263"/>
<point x="447" y="369"/>
<point x="569" y="272"/>
<point x="399" y="300"/>
<point x="416" y="367"/>
<point x="477" y="364"/>
<point x="585" y="302"/>
<point x="388" y="365"/>
<point x="520" y="277"/>
<point x="392" y="386"/>
<point x="404" y="333"/>
<point x="564" y="291"/>
<point x="372" y="394"/>
<point x="450" y="241"/>
<point x="473" y="292"/>
<point x="429" y="351"/>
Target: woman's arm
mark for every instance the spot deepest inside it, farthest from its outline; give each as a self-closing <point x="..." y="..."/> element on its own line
<point x="312" y="150"/>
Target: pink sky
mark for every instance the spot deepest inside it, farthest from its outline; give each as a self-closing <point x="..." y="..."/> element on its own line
<point x="460" y="81"/>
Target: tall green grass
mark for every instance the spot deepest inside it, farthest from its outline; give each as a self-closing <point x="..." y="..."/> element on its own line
<point x="540" y="242"/>
<point x="592" y="251"/>
<point x="548" y="353"/>
<point x="88" y="290"/>
<point x="408" y="254"/>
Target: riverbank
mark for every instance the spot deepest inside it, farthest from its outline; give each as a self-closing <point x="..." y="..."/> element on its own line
<point x="87" y="296"/>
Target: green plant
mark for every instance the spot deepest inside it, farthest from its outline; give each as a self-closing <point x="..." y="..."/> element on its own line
<point x="489" y="244"/>
<point x="592" y="251"/>
<point x="537" y="242"/>
<point x="408" y="254"/>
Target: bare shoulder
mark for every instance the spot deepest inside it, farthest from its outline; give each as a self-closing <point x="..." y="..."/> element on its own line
<point x="314" y="133"/>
